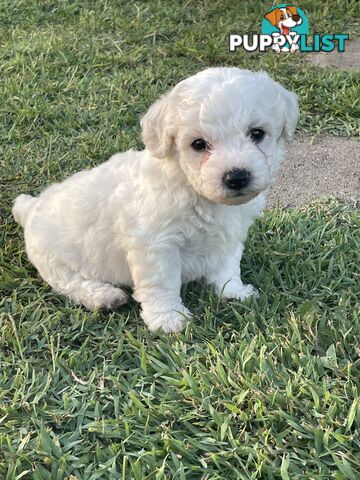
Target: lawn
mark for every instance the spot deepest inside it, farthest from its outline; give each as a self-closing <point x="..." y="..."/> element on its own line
<point x="265" y="389"/>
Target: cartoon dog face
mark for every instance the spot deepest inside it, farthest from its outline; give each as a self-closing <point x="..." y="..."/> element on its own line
<point x="284" y="18"/>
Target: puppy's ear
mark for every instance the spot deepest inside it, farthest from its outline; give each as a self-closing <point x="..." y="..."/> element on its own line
<point x="272" y="17"/>
<point x="292" y="9"/>
<point x="291" y="113"/>
<point x="156" y="128"/>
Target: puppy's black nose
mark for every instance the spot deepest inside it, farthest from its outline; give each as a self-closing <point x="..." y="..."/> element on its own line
<point x="237" y="179"/>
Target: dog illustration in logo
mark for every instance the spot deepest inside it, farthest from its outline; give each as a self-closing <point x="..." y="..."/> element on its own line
<point x="284" y="18"/>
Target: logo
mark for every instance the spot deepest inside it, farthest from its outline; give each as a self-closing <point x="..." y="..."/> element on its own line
<point x="286" y="21"/>
<point x="285" y="28"/>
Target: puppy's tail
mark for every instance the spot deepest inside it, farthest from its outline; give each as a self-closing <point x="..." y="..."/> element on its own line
<point x="21" y="208"/>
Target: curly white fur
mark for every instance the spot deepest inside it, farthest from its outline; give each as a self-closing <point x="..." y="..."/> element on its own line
<point x="153" y="219"/>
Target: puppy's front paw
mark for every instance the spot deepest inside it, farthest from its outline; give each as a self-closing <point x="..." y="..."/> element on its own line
<point x="247" y="291"/>
<point x="238" y="290"/>
<point x="171" y="321"/>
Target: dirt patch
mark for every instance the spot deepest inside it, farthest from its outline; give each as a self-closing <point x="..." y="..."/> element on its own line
<point x="318" y="168"/>
<point x="348" y="60"/>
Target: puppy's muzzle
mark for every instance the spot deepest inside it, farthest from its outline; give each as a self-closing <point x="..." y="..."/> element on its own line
<point x="236" y="179"/>
<point x="296" y="18"/>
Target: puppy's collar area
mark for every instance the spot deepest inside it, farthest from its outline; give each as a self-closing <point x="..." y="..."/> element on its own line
<point x="204" y="210"/>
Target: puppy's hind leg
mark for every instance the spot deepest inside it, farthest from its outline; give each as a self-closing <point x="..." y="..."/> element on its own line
<point x="94" y="294"/>
<point x="88" y="292"/>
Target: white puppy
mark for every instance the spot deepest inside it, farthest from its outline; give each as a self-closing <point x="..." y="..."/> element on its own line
<point x="178" y="210"/>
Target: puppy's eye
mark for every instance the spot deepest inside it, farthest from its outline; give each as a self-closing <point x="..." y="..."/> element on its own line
<point x="256" y="134"/>
<point x="199" y="144"/>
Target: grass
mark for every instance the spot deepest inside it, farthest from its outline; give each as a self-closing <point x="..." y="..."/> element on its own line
<point x="263" y="389"/>
<point x="266" y="389"/>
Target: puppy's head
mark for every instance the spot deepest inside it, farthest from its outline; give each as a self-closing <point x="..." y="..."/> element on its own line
<point x="225" y="127"/>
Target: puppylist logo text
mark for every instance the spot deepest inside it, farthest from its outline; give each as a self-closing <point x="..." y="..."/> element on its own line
<point x="285" y="28"/>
